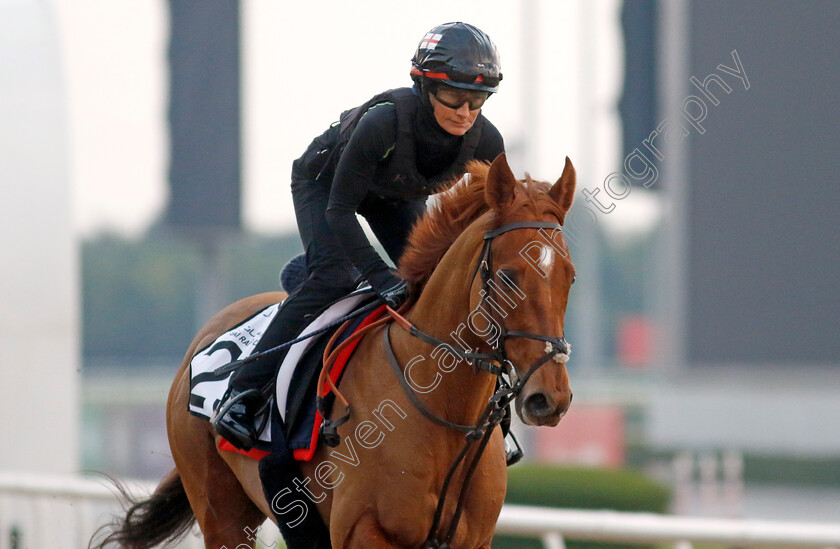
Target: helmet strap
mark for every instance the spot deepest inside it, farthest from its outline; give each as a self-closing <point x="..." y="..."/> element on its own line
<point x="426" y="87"/>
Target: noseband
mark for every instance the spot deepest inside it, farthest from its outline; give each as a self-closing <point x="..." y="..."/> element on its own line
<point x="495" y="362"/>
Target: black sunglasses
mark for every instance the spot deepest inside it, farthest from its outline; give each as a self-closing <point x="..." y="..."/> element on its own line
<point x="454" y="98"/>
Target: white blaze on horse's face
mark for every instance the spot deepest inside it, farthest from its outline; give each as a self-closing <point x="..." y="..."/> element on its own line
<point x="543" y="279"/>
<point x="546" y="258"/>
<point x="546" y="396"/>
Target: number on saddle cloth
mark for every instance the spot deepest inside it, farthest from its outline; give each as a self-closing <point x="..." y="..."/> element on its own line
<point x="296" y="387"/>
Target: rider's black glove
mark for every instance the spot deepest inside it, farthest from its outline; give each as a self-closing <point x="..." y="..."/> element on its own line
<point x="390" y="287"/>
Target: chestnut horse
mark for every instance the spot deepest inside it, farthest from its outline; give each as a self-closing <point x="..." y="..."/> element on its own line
<point x="381" y="486"/>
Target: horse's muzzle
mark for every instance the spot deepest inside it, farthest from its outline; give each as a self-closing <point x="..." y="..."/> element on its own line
<point x="540" y="409"/>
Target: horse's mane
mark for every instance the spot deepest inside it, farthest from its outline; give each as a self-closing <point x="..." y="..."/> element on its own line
<point x="456" y="208"/>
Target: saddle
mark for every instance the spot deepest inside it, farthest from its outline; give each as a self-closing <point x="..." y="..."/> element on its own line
<point x="293" y="424"/>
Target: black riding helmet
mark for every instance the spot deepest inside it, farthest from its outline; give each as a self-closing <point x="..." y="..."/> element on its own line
<point x="460" y="55"/>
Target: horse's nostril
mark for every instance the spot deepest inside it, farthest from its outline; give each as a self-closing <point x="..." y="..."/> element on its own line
<point x="537" y="405"/>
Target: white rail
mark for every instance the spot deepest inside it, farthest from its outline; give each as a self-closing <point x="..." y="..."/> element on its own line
<point x="59" y="512"/>
<point x="553" y="525"/>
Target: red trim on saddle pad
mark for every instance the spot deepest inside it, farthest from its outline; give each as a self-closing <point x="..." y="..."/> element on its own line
<point x="305" y="454"/>
<point x="253" y="453"/>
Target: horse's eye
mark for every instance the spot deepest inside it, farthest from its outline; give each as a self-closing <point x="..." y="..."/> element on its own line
<point x="511" y="275"/>
<point x="574" y="278"/>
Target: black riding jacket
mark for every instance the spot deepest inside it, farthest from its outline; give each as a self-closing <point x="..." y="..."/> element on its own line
<point x="391" y="147"/>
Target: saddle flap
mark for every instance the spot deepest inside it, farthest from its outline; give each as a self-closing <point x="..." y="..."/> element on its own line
<point x="292" y="424"/>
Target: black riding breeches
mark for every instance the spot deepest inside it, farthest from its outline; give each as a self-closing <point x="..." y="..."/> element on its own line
<point x="330" y="275"/>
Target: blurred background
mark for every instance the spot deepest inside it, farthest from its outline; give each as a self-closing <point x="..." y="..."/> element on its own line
<point x="145" y="154"/>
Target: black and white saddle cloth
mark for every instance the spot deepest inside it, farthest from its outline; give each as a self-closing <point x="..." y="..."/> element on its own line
<point x="292" y="414"/>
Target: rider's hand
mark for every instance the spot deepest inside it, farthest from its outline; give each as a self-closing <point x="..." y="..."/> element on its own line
<point x="390" y="287"/>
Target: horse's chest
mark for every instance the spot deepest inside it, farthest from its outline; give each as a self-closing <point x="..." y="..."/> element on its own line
<point x="407" y="506"/>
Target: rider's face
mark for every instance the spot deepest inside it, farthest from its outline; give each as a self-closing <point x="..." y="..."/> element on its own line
<point x="455" y="121"/>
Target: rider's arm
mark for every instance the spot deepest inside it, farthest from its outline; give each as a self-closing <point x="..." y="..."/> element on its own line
<point x="374" y="136"/>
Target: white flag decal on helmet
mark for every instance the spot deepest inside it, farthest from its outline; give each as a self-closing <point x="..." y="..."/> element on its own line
<point x="430" y="41"/>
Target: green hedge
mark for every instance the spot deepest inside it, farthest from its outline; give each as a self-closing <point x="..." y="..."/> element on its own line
<point x="580" y="488"/>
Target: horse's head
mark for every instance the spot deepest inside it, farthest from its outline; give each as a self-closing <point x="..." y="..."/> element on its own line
<point x="525" y="286"/>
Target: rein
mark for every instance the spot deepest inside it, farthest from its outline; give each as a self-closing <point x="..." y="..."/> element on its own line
<point x="343" y="321"/>
<point x="495" y="362"/>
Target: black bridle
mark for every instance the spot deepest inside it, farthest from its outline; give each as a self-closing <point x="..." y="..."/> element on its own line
<point x="555" y="346"/>
<point x="496" y="362"/>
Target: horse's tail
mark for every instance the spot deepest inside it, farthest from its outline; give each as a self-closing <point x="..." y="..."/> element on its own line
<point x="164" y="517"/>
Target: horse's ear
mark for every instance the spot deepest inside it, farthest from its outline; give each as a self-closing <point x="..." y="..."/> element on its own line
<point x="499" y="189"/>
<point x="563" y="192"/>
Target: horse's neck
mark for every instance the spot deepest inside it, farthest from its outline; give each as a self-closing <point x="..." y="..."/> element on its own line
<point x="442" y="311"/>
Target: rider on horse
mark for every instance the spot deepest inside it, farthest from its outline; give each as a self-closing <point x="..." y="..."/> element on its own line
<point x="382" y="160"/>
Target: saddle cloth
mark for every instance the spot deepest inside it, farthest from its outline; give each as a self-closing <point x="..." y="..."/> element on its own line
<point x="293" y="423"/>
